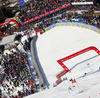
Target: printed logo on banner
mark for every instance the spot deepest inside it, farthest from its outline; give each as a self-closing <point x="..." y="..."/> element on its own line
<point x="89" y="28"/>
<point x="76" y="24"/>
<point x="54" y="25"/>
<point x="47" y="29"/>
<point x="94" y="29"/>
<point x="51" y="27"/>
<point x="81" y="26"/>
<point x="70" y="24"/>
<point x="43" y="31"/>
<point x="85" y="27"/>
<point x="97" y="31"/>
<point x="64" y="24"/>
<point x="60" y="24"/>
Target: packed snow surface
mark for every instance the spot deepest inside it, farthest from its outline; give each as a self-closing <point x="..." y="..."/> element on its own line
<point x="89" y="87"/>
<point x="63" y="41"/>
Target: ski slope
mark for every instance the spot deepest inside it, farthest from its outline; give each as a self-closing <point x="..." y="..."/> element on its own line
<point x="63" y="41"/>
<point x="89" y="87"/>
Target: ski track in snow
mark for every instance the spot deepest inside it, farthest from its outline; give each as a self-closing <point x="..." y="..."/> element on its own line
<point x="60" y="42"/>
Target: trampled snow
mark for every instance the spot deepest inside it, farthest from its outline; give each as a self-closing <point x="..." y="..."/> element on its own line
<point x="89" y="87"/>
<point x="63" y="41"/>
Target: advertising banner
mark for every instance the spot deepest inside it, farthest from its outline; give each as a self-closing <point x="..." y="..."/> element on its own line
<point x="67" y="23"/>
<point x="21" y="2"/>
<point x="82" y="3"/>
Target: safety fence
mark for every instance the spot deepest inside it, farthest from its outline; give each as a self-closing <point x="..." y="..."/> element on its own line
<point x="77" y="24"/>
<point x="36" y="63"/>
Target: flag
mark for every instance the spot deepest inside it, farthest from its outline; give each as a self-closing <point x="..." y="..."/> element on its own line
<point x="22" y="2"/>
<point x="73" y="81"/>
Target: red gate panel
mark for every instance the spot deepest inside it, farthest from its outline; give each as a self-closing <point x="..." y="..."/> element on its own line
<point x="76" y="54"/>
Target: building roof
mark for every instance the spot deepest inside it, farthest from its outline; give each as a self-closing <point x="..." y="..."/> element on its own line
<point x="8" y="39"/>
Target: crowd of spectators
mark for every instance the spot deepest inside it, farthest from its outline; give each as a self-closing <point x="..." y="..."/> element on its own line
<point x="16" y="79"/>
<point x="38" y="7"/>
<point x="87" y="15"/>
<point x="15" y="65"/>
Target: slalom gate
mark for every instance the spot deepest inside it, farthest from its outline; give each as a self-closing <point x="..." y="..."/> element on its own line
<point x="70" y="57"/>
